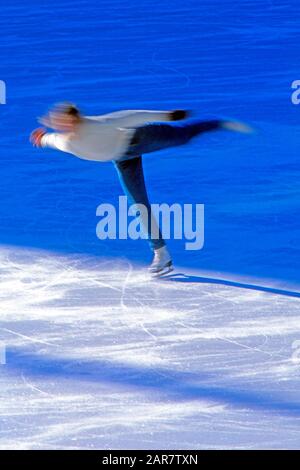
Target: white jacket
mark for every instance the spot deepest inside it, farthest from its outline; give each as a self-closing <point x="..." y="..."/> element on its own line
<point x="102" y="138"/>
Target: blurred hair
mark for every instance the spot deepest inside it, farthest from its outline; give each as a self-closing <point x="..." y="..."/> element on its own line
<point x="66" y="108"/>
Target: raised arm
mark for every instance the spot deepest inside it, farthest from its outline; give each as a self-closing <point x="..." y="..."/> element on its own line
<point x="40" y="138"/>
<point x="139" y="117"/>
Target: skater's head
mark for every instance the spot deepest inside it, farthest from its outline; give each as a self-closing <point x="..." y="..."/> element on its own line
<point x="63" y="117"/>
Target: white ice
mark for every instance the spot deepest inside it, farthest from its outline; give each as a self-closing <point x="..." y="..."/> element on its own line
<point x="100" y="356"/>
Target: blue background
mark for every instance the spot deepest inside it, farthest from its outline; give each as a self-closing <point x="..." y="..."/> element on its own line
<point x="233" y="59"/>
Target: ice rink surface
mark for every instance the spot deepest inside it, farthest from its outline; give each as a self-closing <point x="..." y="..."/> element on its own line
<point x="98" y="356"/>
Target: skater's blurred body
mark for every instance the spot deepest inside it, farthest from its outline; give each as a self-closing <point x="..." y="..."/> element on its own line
<point x="122" y="137"/>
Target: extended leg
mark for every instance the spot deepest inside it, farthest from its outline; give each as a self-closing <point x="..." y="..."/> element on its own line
<point x="158" y="136"/>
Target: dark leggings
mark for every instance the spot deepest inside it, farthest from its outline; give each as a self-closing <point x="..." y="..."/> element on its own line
<point x="131" y="177"/>
<point x="150" y="138"/>
<point x="157" y="136"/>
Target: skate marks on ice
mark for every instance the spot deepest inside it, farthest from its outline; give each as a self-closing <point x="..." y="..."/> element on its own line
<point x="103" y="356"/>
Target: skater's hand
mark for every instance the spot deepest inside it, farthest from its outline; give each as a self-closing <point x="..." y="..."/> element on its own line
<point x="36" y="136"/>
<point x="178" y="114"/>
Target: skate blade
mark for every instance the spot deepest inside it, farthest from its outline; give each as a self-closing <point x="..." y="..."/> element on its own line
<point x="163" y="272"/>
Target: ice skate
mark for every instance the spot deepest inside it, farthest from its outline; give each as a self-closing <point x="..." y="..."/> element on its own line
<point x="236" y="126"/>
<point x="162" y="262"/>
